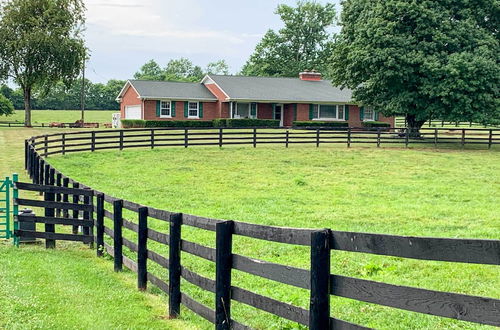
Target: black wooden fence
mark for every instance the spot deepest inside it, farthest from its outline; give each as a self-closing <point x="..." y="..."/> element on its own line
<point x="62" y="143"/>
<point x="401" y="122"/>
<point x="317" y="279"/>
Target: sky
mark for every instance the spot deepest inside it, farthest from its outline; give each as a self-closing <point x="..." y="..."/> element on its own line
<point x="122" y="35"/>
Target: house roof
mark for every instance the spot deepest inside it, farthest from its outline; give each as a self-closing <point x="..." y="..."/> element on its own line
<point x="148" y="89"/>
<point x="280" y="89"/>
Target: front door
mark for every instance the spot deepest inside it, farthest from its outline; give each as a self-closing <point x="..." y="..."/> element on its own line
<point x="278" y="113"/>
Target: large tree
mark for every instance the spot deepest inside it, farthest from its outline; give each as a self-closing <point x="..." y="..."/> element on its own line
<point x="41" y="44"/>
<point x="304" y="43"/>
<point x="421" y="58"/>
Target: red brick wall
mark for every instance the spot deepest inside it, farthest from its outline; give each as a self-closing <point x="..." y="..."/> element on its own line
<point x="210" y="111"/>
<point x="129" y="98"/>
<point x="219" y="94"/>
<point x="354" y="119"/>
<point x="302" y="112"/>
<point x="224" y="110"/>
<point x="288" y="115"/>
<point x="264" y="111"/>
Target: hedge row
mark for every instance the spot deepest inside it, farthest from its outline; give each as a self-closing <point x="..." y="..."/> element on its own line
<point x="138" y="123"/>
<point x="320" y="123"/>
<point x="223" y="122"/>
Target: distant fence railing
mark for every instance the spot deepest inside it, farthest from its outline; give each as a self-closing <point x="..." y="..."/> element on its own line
<point x="318" y="280"/>
<point x="62" y="143"/>
<point x="401" y="122"/>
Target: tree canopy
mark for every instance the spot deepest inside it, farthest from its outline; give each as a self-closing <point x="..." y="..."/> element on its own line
<point x="423" y="59"/>
<point x="41" y="44"/>
<point x="181" y="69"/>
<point x="304" y="43"/>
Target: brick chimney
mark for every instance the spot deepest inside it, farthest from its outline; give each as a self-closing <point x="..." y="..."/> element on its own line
<point x="310" y="75"/>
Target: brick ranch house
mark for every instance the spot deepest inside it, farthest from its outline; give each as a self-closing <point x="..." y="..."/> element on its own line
<point x="306" y="98"/>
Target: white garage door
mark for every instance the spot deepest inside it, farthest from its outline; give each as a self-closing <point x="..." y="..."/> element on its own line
<point x="133" y="112"/>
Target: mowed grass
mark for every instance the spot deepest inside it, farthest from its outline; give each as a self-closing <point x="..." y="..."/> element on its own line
<point x="392" y="191"/>
<point x="69" y="288"/>
<point x="62" y="116"/>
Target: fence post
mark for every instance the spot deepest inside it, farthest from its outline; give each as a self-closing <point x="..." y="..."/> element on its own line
<point x="407" y="137"/>
<point x="319" y="317"/>
<point x="490" y="139"/>
<point x="142" y="246"/>
<point x="186" y="138"/>
<point x="223" y="263"/>
<point x="76" y="213"/>
<point x="87" y="215"/>
<point x="121" y="140"/>
<point x="41" y="168"/>
<point x="152" y="138"/>
<point x="174" y="266"/>
<point x="348" y="137"/>
<point x="63" y="143"/>
<point x="65" y="197"/>
<point x="100" y="224"/>
<point x="255" y="137"/>
<point x="435" y="137"/>
<point x="45" y="145"/>
<point x="463" y="138"/>
<point x="58" y="195"/>
<point x="117" y="237"/>
<point x="220" y="137"/>
<point x="287" y="136"/>
<point x="49" y="212"/>
<point x="378" y="137"/>
<point x="317" y="137"/>
<point x="92" y="141"/>
<point x="26" y="154"/>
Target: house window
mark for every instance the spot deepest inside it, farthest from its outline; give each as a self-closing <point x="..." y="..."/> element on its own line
<point x="165" y="109"/>
<point x="193" y="110"/>
<point x="369" y="115"/>
<point x="328" y="112"/>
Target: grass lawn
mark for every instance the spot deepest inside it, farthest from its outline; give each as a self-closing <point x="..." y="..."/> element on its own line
<point x="394" y="191"/>
<point x="69" y="288"/>
<point x="64" y="116"/>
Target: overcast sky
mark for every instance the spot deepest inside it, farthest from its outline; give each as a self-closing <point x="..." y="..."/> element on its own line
<point x="124" y="34"/>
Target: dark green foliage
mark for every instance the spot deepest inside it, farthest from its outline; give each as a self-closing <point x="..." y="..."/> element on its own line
<point x="181" y="69"/>
<point x="304" y="42"/>
<point x="178" y="123"/>
<point x="422" y="59"/>
<point x="320" y="124"/>
<point x="41" y="43"/>
<point x="375" y="124"/>
<point x="133" y="123"/>
<point x="6" y="107"/>
<point x="219" y="122"/>
<point x="251" y="123"/>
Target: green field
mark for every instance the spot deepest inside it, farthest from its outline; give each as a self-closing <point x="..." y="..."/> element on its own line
<point x="62" y="116"/>
<point x="69" y="288"/>
<point x="392" y="191"/>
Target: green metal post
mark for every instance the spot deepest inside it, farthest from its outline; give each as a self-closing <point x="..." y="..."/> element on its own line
<point x="15" y="208"/>
<point x="7" y="207"/>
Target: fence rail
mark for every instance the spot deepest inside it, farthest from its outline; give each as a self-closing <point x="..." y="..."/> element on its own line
<point x="318" y="280"/>
<point x="63" y="143"/>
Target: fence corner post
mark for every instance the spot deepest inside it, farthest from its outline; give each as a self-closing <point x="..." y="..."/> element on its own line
<point x="319" y="317"/>
<point x="117" y="237"/>
<point x="174" y="267"/>
<point x="142" y="249"/>
<point x="100" y="225"/>
<point x="223" y="264"/>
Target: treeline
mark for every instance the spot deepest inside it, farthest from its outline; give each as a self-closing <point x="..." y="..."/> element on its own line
<point x="60" y="97"/>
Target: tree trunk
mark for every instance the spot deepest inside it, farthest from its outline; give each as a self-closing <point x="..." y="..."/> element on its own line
<point x="414" y="125"/>
<point x="27" y="107"/>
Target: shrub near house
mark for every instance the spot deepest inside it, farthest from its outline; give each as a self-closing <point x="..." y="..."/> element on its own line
<point x="285" y="100"/>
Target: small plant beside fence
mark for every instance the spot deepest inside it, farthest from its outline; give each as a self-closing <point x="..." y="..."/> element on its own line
<point x="317" y="279"/>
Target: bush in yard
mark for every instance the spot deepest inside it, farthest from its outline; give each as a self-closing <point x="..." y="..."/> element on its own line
<point x="371" y="124"/>
<point x="251" y="123"/>
<point x="320" y="124"/>
<point x="219" y="122"/>
<point x="178" y="123"/>
<point x="133" y="123"/>
<point x="6" y="107"/>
